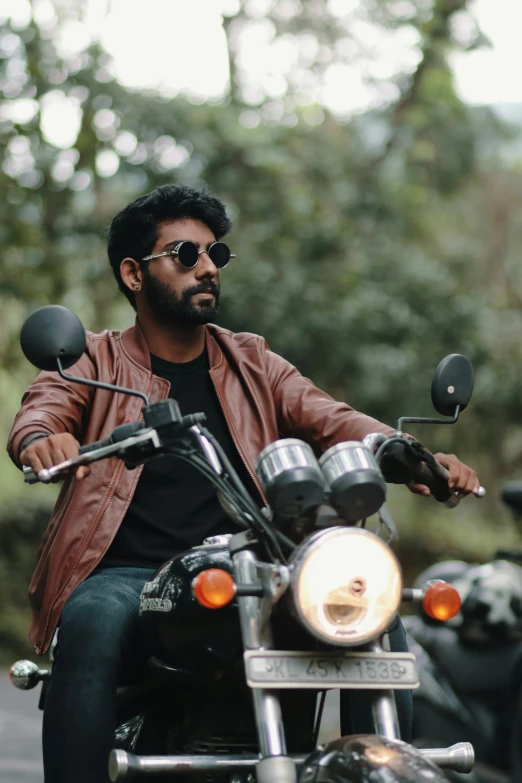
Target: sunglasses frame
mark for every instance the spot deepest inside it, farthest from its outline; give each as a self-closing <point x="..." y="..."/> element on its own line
<point x="174" y="253"/>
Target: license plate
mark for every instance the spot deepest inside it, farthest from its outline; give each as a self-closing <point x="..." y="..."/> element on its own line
<point x="289" y="669"/>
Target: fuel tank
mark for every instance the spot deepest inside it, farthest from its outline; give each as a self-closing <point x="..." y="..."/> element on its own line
<point x="366" y="758"/>
<point x="191" y="635"/>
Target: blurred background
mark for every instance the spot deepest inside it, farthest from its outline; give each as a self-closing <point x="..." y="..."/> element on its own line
<point x="369" y="152"/>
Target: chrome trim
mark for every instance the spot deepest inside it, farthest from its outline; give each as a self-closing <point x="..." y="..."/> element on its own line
<point x="373" y="440"/>
<point x="254" y="618"/>
<point x="123" y="765"/>
<point x="384" y="712"/>
<point x="221" y="540"/>
<point x="208" y="449"/>
<point x="459" y="757"/>
<point x="25" y="675"/>
<point x="282" y="455"/>
<point x="352" y="455"/>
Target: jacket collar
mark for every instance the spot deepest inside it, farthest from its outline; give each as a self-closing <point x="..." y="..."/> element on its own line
<point x="136" y="345"/>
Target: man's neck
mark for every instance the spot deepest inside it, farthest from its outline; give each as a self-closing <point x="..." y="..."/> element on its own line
<point x="174" y="343"/>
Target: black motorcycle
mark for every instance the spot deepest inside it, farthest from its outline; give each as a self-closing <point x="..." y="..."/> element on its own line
<point x="471" y="668"/>
<point x="255" y="625"/>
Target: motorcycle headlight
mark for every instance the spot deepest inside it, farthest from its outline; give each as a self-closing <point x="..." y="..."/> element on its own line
<point x="357" y="487"/>
<point x="346" y="585"/>
<point x="290" y="476"/>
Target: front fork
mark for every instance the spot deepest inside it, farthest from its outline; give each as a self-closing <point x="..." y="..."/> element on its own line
<point x="254" y="616"/>
<point x="384" y="708"/>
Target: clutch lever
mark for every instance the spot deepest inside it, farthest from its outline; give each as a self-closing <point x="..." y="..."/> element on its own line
<point x="148" y="437"/>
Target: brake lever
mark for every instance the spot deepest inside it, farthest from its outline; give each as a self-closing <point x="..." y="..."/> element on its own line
<point x="455" y="498"/>
<point x="439" y="470"/>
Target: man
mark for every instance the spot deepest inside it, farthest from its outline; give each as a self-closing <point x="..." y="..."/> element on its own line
<point x="111" y="527"/>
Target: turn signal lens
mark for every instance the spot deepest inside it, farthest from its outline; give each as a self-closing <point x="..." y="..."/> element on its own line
<point x="214" y="588"/>
<point x="441" y="601"/>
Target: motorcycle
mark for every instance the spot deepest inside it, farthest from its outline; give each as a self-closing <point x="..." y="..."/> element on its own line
<point x="471" y="683"/>
<point x="255" y="625"/>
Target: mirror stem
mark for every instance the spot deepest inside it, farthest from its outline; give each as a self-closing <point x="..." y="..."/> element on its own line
<point x="420" y="420"/>
<point x="99" y="384"/>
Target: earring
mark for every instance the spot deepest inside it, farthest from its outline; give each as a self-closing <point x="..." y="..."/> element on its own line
<point x="136" y="288"/>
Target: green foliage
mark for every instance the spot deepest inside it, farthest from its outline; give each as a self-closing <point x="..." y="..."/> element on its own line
<point x="21" y="525"/>
<point x="367" y="249"/>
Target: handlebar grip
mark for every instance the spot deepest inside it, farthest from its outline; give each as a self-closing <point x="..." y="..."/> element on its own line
<point x="437" y="485"/>
<point x="404" y="462"/>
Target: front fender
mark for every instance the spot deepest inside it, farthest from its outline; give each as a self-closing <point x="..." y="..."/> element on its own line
<point x="366" y="758"/>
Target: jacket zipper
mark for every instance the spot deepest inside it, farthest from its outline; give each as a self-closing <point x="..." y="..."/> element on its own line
<point x="236" y="444"/>
<point x="110" y="496"/>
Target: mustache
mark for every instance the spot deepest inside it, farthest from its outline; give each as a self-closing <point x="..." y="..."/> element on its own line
<point x="210" y="287"/>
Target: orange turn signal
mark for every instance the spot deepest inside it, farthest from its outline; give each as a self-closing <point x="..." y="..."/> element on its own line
<point x="214" y="588"/>
<point x="441" y="601"/>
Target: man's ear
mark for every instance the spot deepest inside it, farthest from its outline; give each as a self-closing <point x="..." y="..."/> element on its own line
<point x="131" y="274"/>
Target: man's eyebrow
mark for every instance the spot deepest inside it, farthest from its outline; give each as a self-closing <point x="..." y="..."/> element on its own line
<point x="175" y="242"/>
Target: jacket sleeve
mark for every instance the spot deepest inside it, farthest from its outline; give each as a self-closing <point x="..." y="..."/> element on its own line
<point x="52" y="405"/>
<point x="306" y="412"/>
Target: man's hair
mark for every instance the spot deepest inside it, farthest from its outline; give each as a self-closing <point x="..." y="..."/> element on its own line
<point x="134" y="231"/>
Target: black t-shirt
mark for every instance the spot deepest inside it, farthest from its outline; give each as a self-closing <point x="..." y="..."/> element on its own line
<point x="174" y="506"/>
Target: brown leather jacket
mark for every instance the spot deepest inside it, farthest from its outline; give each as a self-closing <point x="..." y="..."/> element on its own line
<point x="263" y="398"/>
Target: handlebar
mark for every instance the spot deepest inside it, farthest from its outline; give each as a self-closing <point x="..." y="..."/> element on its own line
<point x="167" y="432"/>
<point x="132" y="441"/>
<point x="121" y="433"/>
<point x="402" y="460"/>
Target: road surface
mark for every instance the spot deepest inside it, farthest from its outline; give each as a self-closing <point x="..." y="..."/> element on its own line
<point x="20" y="727"/>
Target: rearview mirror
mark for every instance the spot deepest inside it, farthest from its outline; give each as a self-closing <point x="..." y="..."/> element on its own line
<point x="452" y="384"/>
<point x="53" y="339"/>
<point x="451" y="390"/>
<point x="52" y="333"/>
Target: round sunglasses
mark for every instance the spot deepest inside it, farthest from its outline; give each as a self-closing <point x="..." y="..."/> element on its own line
<point x="188" y="254"/>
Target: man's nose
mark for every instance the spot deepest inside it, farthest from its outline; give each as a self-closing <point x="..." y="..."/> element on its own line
<point x="205" y="266"/>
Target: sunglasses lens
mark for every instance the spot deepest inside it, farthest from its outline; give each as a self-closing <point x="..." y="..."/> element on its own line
<point x="188" y="254"/>
<point x="220" y="254"/>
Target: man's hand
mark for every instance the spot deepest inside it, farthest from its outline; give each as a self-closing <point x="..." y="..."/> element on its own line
<point x="46" y="452"/>
<point x="462" y="479"/>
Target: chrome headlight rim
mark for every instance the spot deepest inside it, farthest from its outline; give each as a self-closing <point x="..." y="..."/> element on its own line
<point x="301" y="556"/>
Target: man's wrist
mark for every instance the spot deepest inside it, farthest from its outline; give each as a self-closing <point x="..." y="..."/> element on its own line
<point x="32" y="439"/>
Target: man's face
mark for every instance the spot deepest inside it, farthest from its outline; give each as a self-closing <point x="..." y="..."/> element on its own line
<point x="176" y="294"/>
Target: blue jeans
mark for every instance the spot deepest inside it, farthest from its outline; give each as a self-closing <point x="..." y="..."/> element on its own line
<point x="99" y="647"/>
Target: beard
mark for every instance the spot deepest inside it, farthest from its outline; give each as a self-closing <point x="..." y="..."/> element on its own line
<point x="181" y="310"/>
